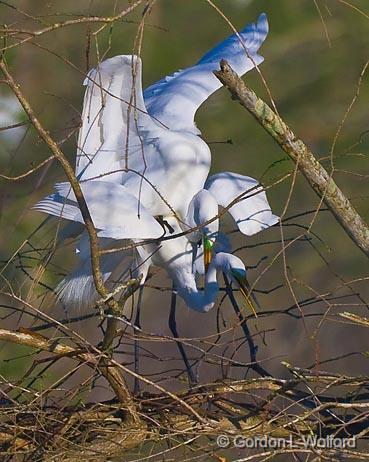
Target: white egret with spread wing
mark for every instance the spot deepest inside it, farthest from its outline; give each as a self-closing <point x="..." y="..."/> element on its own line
<point x="150" y="149"/>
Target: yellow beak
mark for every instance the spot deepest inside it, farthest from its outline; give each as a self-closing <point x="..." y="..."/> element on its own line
<point x="208" y="252"/>
<point x="246" y="293"/>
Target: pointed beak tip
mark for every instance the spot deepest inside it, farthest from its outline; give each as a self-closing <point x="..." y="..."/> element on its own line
<point x="246" y="295"/>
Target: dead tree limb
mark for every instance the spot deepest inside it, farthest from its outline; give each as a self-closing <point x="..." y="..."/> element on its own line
<point x="319" y="179"/>
<point x="110" y="372"/>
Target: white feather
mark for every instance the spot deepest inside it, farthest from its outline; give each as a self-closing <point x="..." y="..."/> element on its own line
<point x="113" y="110"/>
<point x="203" y="207"/>
<point x="114" y="211"/>
<point x="78" y="288"/>
<point x="189" y="88"/>
<point x="252" y="214"/>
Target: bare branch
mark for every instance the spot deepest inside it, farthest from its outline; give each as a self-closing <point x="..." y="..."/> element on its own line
<point x="118" y="384"/>
<point x="318" y="178"/>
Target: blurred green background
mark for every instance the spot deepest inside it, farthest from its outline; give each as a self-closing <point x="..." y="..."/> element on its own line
<point x="313" y="61"/>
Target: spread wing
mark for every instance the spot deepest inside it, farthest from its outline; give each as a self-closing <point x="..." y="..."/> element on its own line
<point x="115" y="212"/>
<point x="113" y="116"/>
<point x="175" y="99"/>
<point x="251" y="214"/>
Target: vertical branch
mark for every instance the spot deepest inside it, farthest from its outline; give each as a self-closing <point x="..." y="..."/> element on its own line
<point x="69" y="172"/>
<point x="113" y="376"/>
<point x="318" y="178"/>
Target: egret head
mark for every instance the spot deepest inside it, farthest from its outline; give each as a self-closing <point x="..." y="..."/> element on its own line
<point x="202" y="214"/>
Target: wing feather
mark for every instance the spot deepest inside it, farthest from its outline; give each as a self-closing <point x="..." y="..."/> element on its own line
<point x="115" y="212"/>
<point x="175" y="99"/>
<point x="78" y="288"/>
<point x="113" y="116"/>
<point x="251" y="214"/>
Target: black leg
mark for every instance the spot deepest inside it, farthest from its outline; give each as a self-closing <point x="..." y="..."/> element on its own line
<point x="165" y="225"/>
<point x="137" y="323"/>
<point x="243" y="323"/>
<point x="173" y="328"/>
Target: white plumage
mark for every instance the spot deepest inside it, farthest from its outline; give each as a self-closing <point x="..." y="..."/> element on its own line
<point x="140" y="157"/>
<point x="121" y="143"/>
<point x="115" y="212"/>
<point x="78" y="288"/>
<point x="252" y="213"/>
<point x="203" y="207"/>
<point x="175" y="99"/>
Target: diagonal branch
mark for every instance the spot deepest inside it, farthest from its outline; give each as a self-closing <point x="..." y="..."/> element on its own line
<point x="44" y="344"/>
<point x="69" y="172"/>
<point x="69" y="22"/>
<point x="318" y="178"/>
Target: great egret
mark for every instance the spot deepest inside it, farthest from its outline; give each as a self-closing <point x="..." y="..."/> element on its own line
<point x="150" y="154"/>
<point x="153" y="152"/>
<point x="176" y="257"/>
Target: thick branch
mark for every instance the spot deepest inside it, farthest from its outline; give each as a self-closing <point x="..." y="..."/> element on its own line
<point x="318" y="178"/>
<point x="42" y="343"/>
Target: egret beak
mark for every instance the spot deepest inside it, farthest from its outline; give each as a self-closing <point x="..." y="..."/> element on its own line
<point x="208" y="252"/>
<point x="246" y="293"/>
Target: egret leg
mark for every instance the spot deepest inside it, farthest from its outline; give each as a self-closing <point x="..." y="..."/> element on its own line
<point x="137" y="323"/>
<point x="243" y="323"/>
<point x="173" y="328"/>
<point x="166" y="226"/>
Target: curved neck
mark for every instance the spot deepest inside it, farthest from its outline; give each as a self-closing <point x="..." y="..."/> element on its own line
<point x="199" y="300"/>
